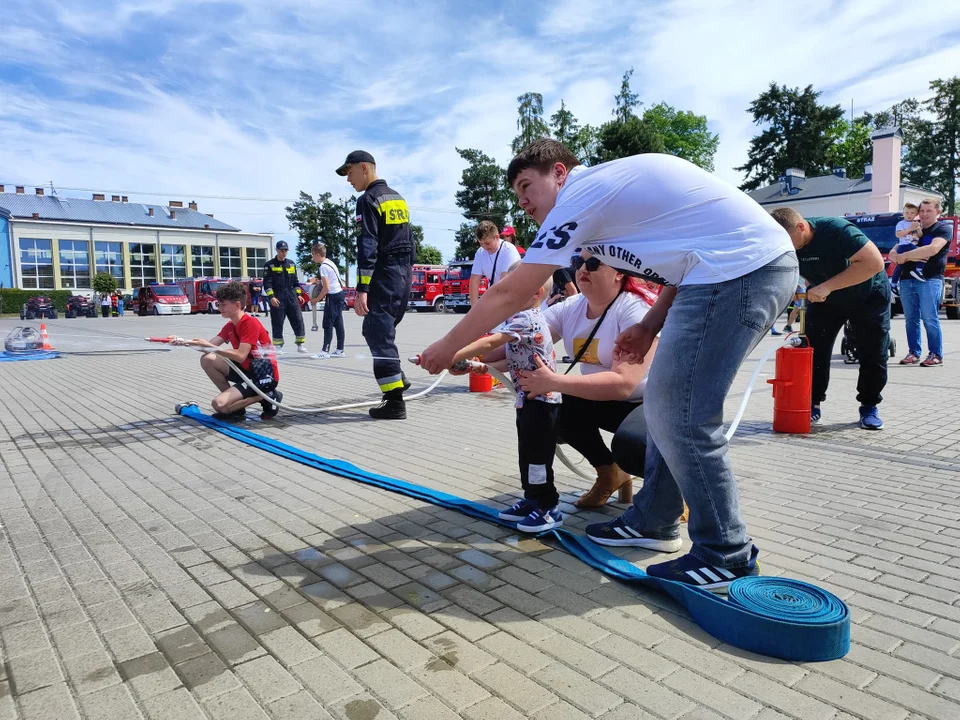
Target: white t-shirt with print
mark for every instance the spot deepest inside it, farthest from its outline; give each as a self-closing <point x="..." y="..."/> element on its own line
<point x="483" y="261"/>
<point x="329" y="271"/>
<point x="568" y="320"/>
<point x="660" y="218"/>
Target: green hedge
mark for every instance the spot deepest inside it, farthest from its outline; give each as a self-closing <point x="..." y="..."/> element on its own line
<point x="12" y="299"/>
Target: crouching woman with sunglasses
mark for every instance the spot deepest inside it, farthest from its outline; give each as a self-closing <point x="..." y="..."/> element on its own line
<point x="605" y="391"/>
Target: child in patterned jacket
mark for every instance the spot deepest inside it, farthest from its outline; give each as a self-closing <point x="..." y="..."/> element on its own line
<point x="525" y="342"/>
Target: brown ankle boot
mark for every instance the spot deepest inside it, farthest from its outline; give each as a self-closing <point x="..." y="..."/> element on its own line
<point x="686" y="514"/>
<point x="610" y="479"/>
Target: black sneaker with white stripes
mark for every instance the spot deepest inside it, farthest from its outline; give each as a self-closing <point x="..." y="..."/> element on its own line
<point x="617" y="533"/>
<point x="691" y="571"/>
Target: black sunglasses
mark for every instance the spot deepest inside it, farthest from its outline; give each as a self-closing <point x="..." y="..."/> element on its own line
<point x="593" y="263"/>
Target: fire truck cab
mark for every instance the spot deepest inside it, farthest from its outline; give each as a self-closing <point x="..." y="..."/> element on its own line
<point x="426" y="289"/>
<point x="456" y="286"/>
<point x="162" y="299"/>
<point x="881" y="229"/>
<point x="202" y="293"/>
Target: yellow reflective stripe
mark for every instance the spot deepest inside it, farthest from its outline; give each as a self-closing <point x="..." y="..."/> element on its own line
<point x="291" y="269"/>
<point x="365" y="279"/>
<point x="395" y="212"/>
<point x="277" y="269"/>
<point x="269" y="293"/>
<point x="391" y="386"/>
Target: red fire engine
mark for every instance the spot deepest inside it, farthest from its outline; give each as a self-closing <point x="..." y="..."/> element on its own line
<point x="202" y="293"/>
<point x="456" y="286"/>
<point x="426" y="290"/>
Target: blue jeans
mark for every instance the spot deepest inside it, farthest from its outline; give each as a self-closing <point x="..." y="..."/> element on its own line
<point x="709" y="332"/>
<point x="921" y="301"/>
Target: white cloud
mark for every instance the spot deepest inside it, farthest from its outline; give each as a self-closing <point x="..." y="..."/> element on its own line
<point x="248" y="98"/>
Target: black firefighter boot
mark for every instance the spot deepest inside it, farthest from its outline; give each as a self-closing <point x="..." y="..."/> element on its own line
<point x="393" y="406"/>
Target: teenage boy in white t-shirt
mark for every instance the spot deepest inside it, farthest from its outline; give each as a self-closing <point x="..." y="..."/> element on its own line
<point x="492" y="260"/>
<point x="729" y="271"/>
<point x="330" y="290"/>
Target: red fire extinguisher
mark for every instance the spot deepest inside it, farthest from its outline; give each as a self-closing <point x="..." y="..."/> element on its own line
<point x="793" y="382"/>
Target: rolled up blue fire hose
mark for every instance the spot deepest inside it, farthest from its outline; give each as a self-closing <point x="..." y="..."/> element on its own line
<point x="773" y="616"/>
<point x="28" y="355"/>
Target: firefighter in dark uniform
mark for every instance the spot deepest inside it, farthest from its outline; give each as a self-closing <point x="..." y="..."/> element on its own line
<point x="282" y="288"/>
<point x="385" y="255"/>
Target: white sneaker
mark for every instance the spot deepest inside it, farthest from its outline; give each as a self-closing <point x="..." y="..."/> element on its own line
<point x="278" y="349"/>
<point x="337" y="353"/>
<point x="322" y="355"/>
<point x="917" y="276"/>
<point x="301" y="348"/>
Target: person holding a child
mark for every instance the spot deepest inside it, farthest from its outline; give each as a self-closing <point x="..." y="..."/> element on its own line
<point x="921" y="285"/>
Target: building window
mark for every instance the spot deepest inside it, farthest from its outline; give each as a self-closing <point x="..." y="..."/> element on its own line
<point x="143" y="264"/>
<point x="230" y="266"/>
<point x="256" y="259"/>
<point x="201" y="258"/>
<point x="173" y="262"/>
<point x="108" y="258"/>
<point x="36" y="263"/>
<point x="74" y="263"/>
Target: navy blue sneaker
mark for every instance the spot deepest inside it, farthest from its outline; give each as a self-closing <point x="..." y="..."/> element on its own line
<point x="618" y="534"/>
<point x="541" y="520"/>
<point x="691" y="571"/>
<point x="870" y="418"/>
<point x="518" y="512"/>
<point x="815" y="414"/>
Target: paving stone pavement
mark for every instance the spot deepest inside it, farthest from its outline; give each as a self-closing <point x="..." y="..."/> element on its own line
<point x="150" y="568"/>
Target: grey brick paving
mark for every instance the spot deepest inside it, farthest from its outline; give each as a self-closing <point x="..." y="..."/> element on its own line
<point x="141" y="576"/>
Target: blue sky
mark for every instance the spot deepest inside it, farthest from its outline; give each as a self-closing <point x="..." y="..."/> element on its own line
<point x="262" y="99"/>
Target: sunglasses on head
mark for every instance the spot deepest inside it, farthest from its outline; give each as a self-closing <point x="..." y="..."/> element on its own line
<point x="592" y="263"/>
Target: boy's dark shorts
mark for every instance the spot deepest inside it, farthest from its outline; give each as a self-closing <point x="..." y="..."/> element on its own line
<point x="246" y="391"/>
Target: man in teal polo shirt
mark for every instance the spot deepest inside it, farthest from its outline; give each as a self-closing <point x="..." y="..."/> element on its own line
<point x="847" y="282"/>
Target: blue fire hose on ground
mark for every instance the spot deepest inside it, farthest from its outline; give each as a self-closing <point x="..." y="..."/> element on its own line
<point x="778" y="617"/>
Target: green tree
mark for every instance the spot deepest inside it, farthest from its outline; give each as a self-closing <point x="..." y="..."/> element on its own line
<point x="622" y="138"/>
<point x="565" y="128"/>
<point x="796" y="134"/>
<point x="327" y="221"/>
<point x="626" y="101"/>
<point x="935" y="157"/>
<point x="104" y="283"/>
<point x="466" y="240"/>
<point x="850" y="147"/>
<point x="483" y="195"/>
<point x="530" y="123"/>
<point x="304" y="219"/>
<point x="684" y="134"/>
<point x="426" y="254"/>
<point x="530" y="126"/>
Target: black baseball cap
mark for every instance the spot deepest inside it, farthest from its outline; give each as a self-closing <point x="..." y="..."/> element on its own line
<point x="357" y="156"/>
<point x="282" y="245"/>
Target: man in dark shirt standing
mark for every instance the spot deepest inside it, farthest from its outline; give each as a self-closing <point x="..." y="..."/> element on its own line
<point x="385" y="255"/>
<point x="921" y="298"/>
<point x="847" y="282"/>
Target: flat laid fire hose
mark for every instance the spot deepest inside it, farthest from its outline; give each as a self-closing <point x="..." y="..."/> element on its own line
<point x="773" y="616"/>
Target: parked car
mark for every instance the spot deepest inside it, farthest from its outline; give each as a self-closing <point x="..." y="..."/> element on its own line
<point x="351" y="297"/>
<point x="38" y="307"/>
<point x="80" y="306"/>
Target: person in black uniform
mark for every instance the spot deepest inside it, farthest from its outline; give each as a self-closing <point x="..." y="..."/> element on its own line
<point x="847" y="282"/>
<point x="385" y="255"/>
<point x="282" y="288"/>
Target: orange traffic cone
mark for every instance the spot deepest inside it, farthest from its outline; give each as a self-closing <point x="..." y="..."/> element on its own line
<point x="46" y="337"/>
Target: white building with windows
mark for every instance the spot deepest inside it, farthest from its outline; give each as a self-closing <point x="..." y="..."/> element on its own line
<point x="59" y="243"/>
